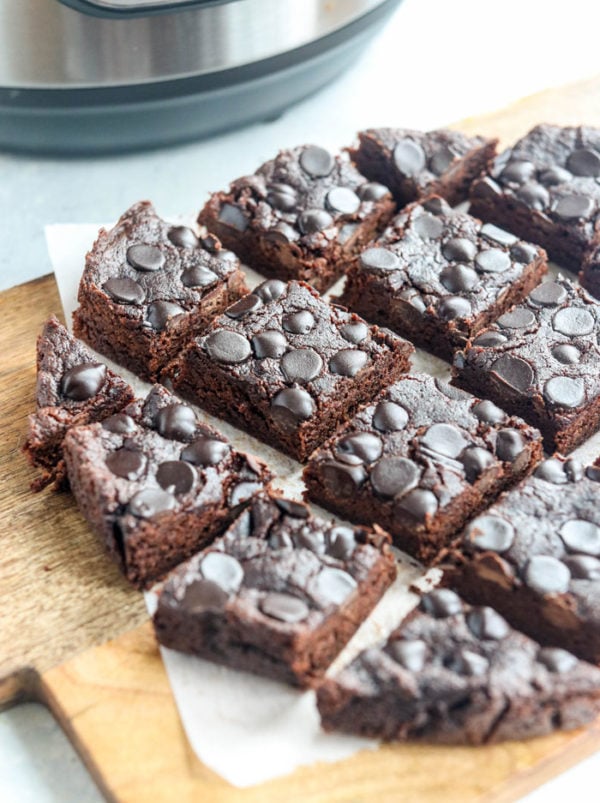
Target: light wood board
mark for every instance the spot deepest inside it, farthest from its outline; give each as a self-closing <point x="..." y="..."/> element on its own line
<point x="61" y="602"/>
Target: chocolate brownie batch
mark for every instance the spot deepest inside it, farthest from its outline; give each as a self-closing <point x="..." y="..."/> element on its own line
<point x="507" y="646"/>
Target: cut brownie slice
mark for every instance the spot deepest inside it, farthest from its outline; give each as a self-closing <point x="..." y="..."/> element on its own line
<point x="437" y="276"/>
<point x="540" y="361"/>
<point x="287" y="366"/>
<point x="155" y="484"/>
<point x="421" y="462"/>
<point x="453" y="674"/>
<point x="279" y="594"/>
<point x="148" y="287"/>
<point x="589" y="275"/>
<point x="414" y="164"/>
<point x="545" y="189"/>
<point x="72" y="388"/>
<point x="535" y="555"/>
<point x="300" y="216"/>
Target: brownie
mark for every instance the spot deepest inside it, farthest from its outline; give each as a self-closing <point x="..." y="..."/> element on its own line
<point x="279" y="594"/>
<point x="301" y="216"/>
<point x="287" y="366"/>
<point x="414" y="164"/>
<point x="155" y="484"/>
<point x="456" y="674"/>
<point x="540" y="360"/>
<point x="421" y="461"/>
<point x="72" y="388"/>
<point x="535" y="555"/>
<point x="545" y="189"/>
<point x="437" y="276"/>
<point x="589" y="275"/>
<point x="148" y="287"/>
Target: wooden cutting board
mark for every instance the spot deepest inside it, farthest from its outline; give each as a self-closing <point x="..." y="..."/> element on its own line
<point x="75" y="636"/>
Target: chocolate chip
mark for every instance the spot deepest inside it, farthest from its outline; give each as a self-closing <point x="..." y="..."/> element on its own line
<point x="437" y="206"/>
<point x="284" y="607"/>
<point x="454" y="307"/>
<point x="342" y="479"/>
<point x="427" y="226"/>
<point x="183" y="237"/>
<point x="514" y="371"/>
<point x="409" y="157"/>
<point x="291" y="508"/>
<point x="246" y="304"/>
<point x="579" y="535"/>
<point x="440" y="603"/>
<point x="301" y="365"/>
<point x="212" y="244"/>
<point x="160" y="314"/>
<point x="584" y="162"/>
<point x="280" y="539"/>
<point x="509" y="445"/>
<point x="475" y="461"/>
<point x="127" y="291"/>
<point x="317" y="162"/>
<point x="517" y="171"/>
<point x="314" y="220"/>
<point x="553" y="471"/>
<point x="305" y="538"/>
<point x="223" y="570"/>
<point x="282" y="196"/>
<point x="410" y="654"/>
<point x="490" y="532"/>
<point x="341" y="542"/>
<point x="120" y="424"/>
<point x="491" y="338"/>
<point x="203" y="595"/>
<point x="126" y="463"/>
<point x="243" y="491"/>
<point x="524" y="253"/>
<point x="389" y="417"/>
<point x="233" y="217"/>
<point x="175" y="476"/>
<point x="492" y="261"/>
<point x="392" y="476"/>
<point x="485" y="623"/>
<point x="299" y="323"/>
<point x="348" y="362"/>
<point x="452" y="392"/>
<point x="566" y="354"/>
<point x="205" y="451"/>
<point x="342" y="200"/>
<point x="228" y="347"/>
<point x="497" y="235"/>
<point x="573" y="321"/>
<point x="176" y="421"/>
<point x="517" y="318"/>
<point x="360" y="447"/>
<point x="372" y="191"/>
<point x="564" y="391"/>
<point x="583" y="567"/>
<point x="549" y="294"/>
<point x="355" y="332"/>
<point x="547" y="575"/>
<point x="534" y="195"/>
<point x="574" y="469"/>
<point x="270" y="343"/>
<point x="555" y="175"/>
<point x="459" y="249"/>
<point x="379" y="259"/>
<point x="149" y="502"/>
<point x="459" y="278"/>
<point x="469" y="663"/>
<point x="593" y="473"/>
<point x="282" y="233"/>
<point x="557" y="660"/>
<point x="441" y="160"/>
<point x="83" y="381"/>
<point x="444" y="439"/>
<point x="147" y="258"/>
<point x="290" y="406"/>
<point x="270" y="290"/>
<point x="574" y="207"/>
<point x="334" y="585"/>
<point x="420" y="504"/>
<point x="198" y="276"/>
<point x="487" y="412"/>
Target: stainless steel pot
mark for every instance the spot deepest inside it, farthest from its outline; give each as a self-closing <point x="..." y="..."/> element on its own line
<point x="112" y="74"/>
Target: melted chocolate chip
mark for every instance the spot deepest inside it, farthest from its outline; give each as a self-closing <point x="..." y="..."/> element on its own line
<point x="147" y="258"/>
<point x="198" y="276"/>
<point x="284" y="607"/>
<point x="160" y="314"/>
<point x="557" y="660"/>
<point x="83" y="381"/>
<point x="246" y="304"/>
<point x="282" y="197"/>
<point x="314" y="220"/>
<point x="270" y="290"/>
<point x="491" y="338"/>
<point x="566" y="354"/>
<point x="487" y="412"/>
<point x="579" y="535"/>
<point x="203" y="595"/>
<point x="294" y="509"/>
<point x="410" y="654"/>
<point x="342" y="200"/>
<point x="492" y="261"/>
<point x="175" y="476"/>
<point x="574" y="207"/>
<point x="459" y="278"/>
<point x="389" y="417"/>
<point x="518" y="171"/>
<point x="205" y="451"/>
<point x="517" y="318"/>
<point x="469" y="663"/>
<point x="233" y="217"/>
<point x="379" y="259"/>
<point x="440" y="603"/>
<point x="444" y="439"/>
<point x="342" y="479"/>
<point x="299" y="323"/>
<point x="534" y="195"/>
<point x="497" y="235"/>
<point x="555" y="175"/>
<point x="316" y="161"/>
<point x="126" y="463"/>
<point x="583" y="567"/>
<point x="271" y="343"/>
<point x="176" y="421"/>
<point x="485" y="623"/>
<point x="427" y="226"/>
<point x="454" y="307"/>
<point x="573" y="321"/>
<point x="553" y="471"/>
<point x="441" y="160"/>
<point x="150" y="502"/>
<point x="420" y="504"/>
<point x="372" y="191"/>
<point x="355" y="332"/>
<point x="549" y="294"/>
<point x="126" y="291"/>
<point x="490" y="532"/>
<point x="348" y="362"/>
<point x="360" y="447"/>
<point x="341" y="543"/>
<point x="334" y="585"/>
<point x="409" y="157"/>
<point x="564" y="391"/>
<point x="476" y="461"/>
<point x="223" y="570"/>
<point x="459" y="249"/>
<point x="183" y="237"/>
<point x="228" y="347"/>
<point x="120" y="424"/>
<point x="290" y="406"/>
<point x="514" y="371"/>
<point x="584" y="162"/>
<point x="301" y="365"/>
<point x="392" y="476"/>
<point x="547" y="575"/>
<point x="243" y="491"/>
<point x="509" y="445"/>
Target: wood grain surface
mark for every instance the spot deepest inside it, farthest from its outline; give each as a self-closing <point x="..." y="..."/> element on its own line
<point x="70" y="627"/>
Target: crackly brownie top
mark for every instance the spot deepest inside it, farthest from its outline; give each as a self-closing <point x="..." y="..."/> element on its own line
<point x="445" y="263"/>
<point x="553" y="171"/>
<point x="544" y="536"/>
<point x="278" y="565"/>
<point x="420" y="446"/>
<point x="305" y="194"/>
<point x="156" y="457"/>
<point x="153" y="270"/>
<point x="546" y="348"/>
<point x="447" y="657"/>
<point x="68" y="374"/>
<point x="294" y="349"/>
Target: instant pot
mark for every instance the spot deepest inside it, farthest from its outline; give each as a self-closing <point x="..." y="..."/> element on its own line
<point x="81" y="76"/>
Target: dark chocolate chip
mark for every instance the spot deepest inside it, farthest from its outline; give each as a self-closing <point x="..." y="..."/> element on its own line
<point x="284" y="607"/>
<point x="557" y="660"/>
<point x="409" y="157"/>
<point x="574" y="207"/>
<point x="282" y="196"/>
<point x="549" y="294"/>
<point x="583" y="567"/>
<point x="459" y="278"/>
<point x="126" y="463"/>
<point x="459" y="249"/>
<point x="245" y="305"/>
<point x="176" y="421"/>
<point x="487" y="412"/>
<point x="342" y="479"/>
<point x="150" y="501"/>
<point x="160" y="314"/>
<point x="212" y="244"/>
<point x="517" y="318"/>
<point x="334" y="585"/>
<point x="427" y="226"/>
<point x="566" y="354"/>
<point x="573" y="321"/>
<point x="355" y="332"/>
<point x="389" y="417"/>
<point x="341" y="542"/>
<point x="280" y="539"/>
<point x="491" y="338"/>
<point x="491" y="532"/>
<point x="290" y="406"/>
<point x="126" y="291"/>
<point x="392" y="476"/>
<point x="316" y="161"/>
<point x="584" y="162"/>
<point x="524" y="253"/>
<point x="419" y="504"/>
<point x="441" y="602"/>
<point x="120" y="424"/>
<point x="299" y="323"/>
<point x="547" y="575"/>
<point x="564" y="391"/>
<point x="348" y="362"/>
<point x="314" y="220"/>
<point x="454" y="307"/>
<point x="497" y="235"/>
<point x="517" y="171"/>
<point x="452" y="392"/>
<point x="593" y="473"/>
<point x="534" y="195"/>
<point x="553" y="471"/>
<point x="342" y="200"/>
<point x="441" y="160"/>
<point x="291" y="508"/>
<point x="83" y="381"/>
<point x="509" y="445"/>
<point x="410" y="654"/>
<point x="223" y="570"/>
<point x="198" y="276"/>
<point x="555" y="175"/>
<point x="372" y="191"/>
<point x="305" y="538"/>
<point x="147" y="258"/>
<point x="444" y="439"/>
<point x="468" y="663"/>
<point x="243" y="491"/>
<point x="574" y="469"/>
<point x="282" y="233"/>
<point x="379" y="259"/>
<point x="582" y="536"/>
<point x="205" y="451"/>
<point x="475" y="461"/>
<point x="175" y="476"/>
<point x="183" y="237"/>
<point x="359" y="447"/>
<point x="270" y="290"/>
<point x="493" y="260"/>
<point x="203" y="595"/>
<point x="233" y="217"/>
<point x="514" y="371"/>
<point x="271" y="343"/>
<point x="301" y="365"/>
<point x="485" y="623"/>
<point x="228" y="347"/>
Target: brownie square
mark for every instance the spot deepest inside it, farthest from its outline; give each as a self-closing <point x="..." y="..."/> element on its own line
<point x="456" y="674"/>
<point x="534" y="555"/>
<point x="540" y="361"/>
<point x="288" y="367"/>
<point x="72" y="388"/>
<point x="589" y="276"/>
<point x="421" y="461"/>
<point x="301" y="216"/>
<point x="155" y="484"/>
<point x="545" y="190"/>
<point x="148" y="287"/>
<point x="279" y="594"/>
<point x="414" y="164"/>
<point x="437" y="276"/>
